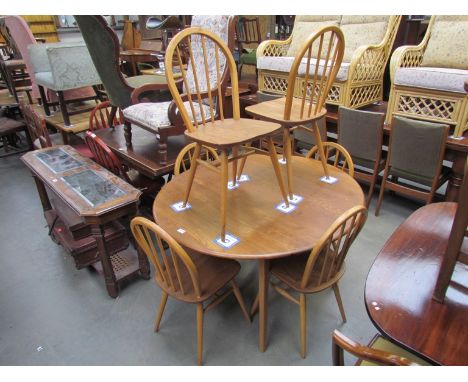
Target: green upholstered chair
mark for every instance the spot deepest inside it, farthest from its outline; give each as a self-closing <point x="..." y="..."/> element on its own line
<point x="248" y="39"/>
<point x="379" y="352"/>
<point x="416" y="152"/>
<point x="361" y="133"/>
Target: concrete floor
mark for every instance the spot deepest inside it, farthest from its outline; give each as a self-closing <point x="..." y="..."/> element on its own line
<point x="53" y="314"/>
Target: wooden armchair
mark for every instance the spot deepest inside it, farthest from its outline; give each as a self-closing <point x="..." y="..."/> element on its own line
<point x="428" y="79"/>
<point x="379" y="352"/>
<point x="359" y="82"/>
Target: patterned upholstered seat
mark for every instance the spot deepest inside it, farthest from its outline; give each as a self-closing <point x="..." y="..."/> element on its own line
<point x="428" y="79"/>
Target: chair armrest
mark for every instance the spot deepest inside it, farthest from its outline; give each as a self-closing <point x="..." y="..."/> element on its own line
<point x="273" y="48"/>
<point x="368" y="63"/>
<point x="72" y="66"/>
<point x="141" y="93"/>
<point x="340" y="342"/>
<point x="407" y="56"/>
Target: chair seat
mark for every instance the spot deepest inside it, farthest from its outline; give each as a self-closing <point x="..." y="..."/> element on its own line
<point x="9" y="126"/>
<point x="214" y="273"/>
<point x="153" y="116"/>
<point x="283" y="64"/>
<point x="274" y="111"/>
<point x="232" y="132"/>
<point x="418" y="178"/>
<point x="446" y="79"/>
<point x="381" y="343"/>
<point x="290" y="270"/>
<point x="249" y="58"/>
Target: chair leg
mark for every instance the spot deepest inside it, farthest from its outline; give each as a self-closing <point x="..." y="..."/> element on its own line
<point x="45" y="104"/>
<point x="371" y="189"/>
<point x="274" y="161"/>
<point x="200" y="334"/>
<point x="254" y="308"/>
<point x="240" y="300"/>
<point x="240" y="71"/>
<point x="303" y="323"/>
<point x="235" y="152"/>
<point x="318" y="140"/>
<point x="128" y="133"/>
<point x="242" y="163"/>
<point x="223" y="199"/>
<point x="193" y="168"/>
<point x="288" y="156"/>
<point x="63" y="108"/>
<point x="162" y="305"/>
<point x="339" y="301"/>
<point x="381" y="193"/>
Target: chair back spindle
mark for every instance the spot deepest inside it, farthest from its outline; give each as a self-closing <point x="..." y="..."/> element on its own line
<point x="100" y="117"/>
<point x="335" y="154"/>
<point x="172" y="264"/>
<point x="36" y="125"/>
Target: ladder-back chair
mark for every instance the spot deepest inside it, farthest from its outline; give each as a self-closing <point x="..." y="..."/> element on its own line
<point x="336" y="155"/>
<point x="317" y="63"/>
<point x="100" y="117"/>
<point x="203" y="102"/>
<point x="189" y="277"/>
<point x="320" y="269"/>
<point x="185" y="157"/>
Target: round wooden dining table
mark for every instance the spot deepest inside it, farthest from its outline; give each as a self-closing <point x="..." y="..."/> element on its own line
<point x="264" y="233"/>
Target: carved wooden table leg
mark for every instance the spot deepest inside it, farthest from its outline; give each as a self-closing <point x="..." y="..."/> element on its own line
<point x="128" y="133"/>
<point x="109" y="276"/>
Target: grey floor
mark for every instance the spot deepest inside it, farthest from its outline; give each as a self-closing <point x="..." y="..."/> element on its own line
<point x="53" y="314"/>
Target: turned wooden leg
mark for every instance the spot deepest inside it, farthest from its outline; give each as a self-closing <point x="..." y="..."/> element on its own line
<point x="193" y="169"/>
<point x="303" y="323"/>
<point x="162" y="305"/>
<point x="240" y="300"/>
<point x="223" y="198"/>
<point x="200" y="334"/>
<point x="128" y="133"/>
<point x="162" y="150"/>
<point x="279" y="177"/>
<point x="318" y="140"/>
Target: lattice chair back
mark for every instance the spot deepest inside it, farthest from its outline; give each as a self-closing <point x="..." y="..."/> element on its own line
<point x="36" y="125"/>
<point x="100" y="115"/>
<point x="104" y="156"/>
<point x="176" y="273"/>
<point x="184" y="158"/>
<point x="209" y="65"/>
<point x="317" y="62"/>
<point x="325" y="262"/>
<point x="335" y="154"/>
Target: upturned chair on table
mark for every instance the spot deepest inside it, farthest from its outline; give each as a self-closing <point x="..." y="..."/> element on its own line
<point x="187" y="276"/>
<point x="317" y="63"/>
<point x="203" y="103"/>
<point x="336" y="155"/>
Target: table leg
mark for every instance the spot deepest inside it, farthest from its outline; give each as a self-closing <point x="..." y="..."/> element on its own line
<point x="109" y="276"/>
<point x="263" y="281"/>
<point x="456" y="176"/>
<point x="46" y="206"/>
<point x="65" y="139"/>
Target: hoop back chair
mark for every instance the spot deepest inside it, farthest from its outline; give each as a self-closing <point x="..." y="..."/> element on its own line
<point x="185" y="157"/>
<point x="202" y="103"/>
<point x="100" y="117"/>
<point x="415" y="153"/>
<point x="188" y="277"/>
<point x="335" y="154"/>
<point x="323" y="53"/>
<point x="379" y="352"/>
<point x="361" y="133"/>
<point x="104" y="156"/>
<point x="320" y="269"/>
<point x="247" y="34"/>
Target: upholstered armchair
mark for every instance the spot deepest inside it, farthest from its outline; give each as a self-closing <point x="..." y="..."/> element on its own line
<point x="428" y="79"/>
<point x="60" y="67"/>
<point x="359" y="82"/>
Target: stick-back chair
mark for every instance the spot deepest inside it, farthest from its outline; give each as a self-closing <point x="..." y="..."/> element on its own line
<point x="379" y="352"/>
<point x="189" y="277"/>
<point x="104" y="156"/>
<point x="317" y="63"/>
<point x="320" y="269"/>
<point x="100" y="116"/>
<point x="203" y="102"/>
<point x="247" y="35"/>
<point x="185" y="157"/>
<point x="415" y="153"/>
<point x="336" y="154"/>
<point x="361" y="133"/>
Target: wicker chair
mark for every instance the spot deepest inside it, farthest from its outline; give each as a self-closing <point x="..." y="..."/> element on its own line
<point x="368" y="42"/>
<point x="428" y="79"/>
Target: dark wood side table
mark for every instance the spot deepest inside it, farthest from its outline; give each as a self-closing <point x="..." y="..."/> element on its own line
<point x="96" y="195"/>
